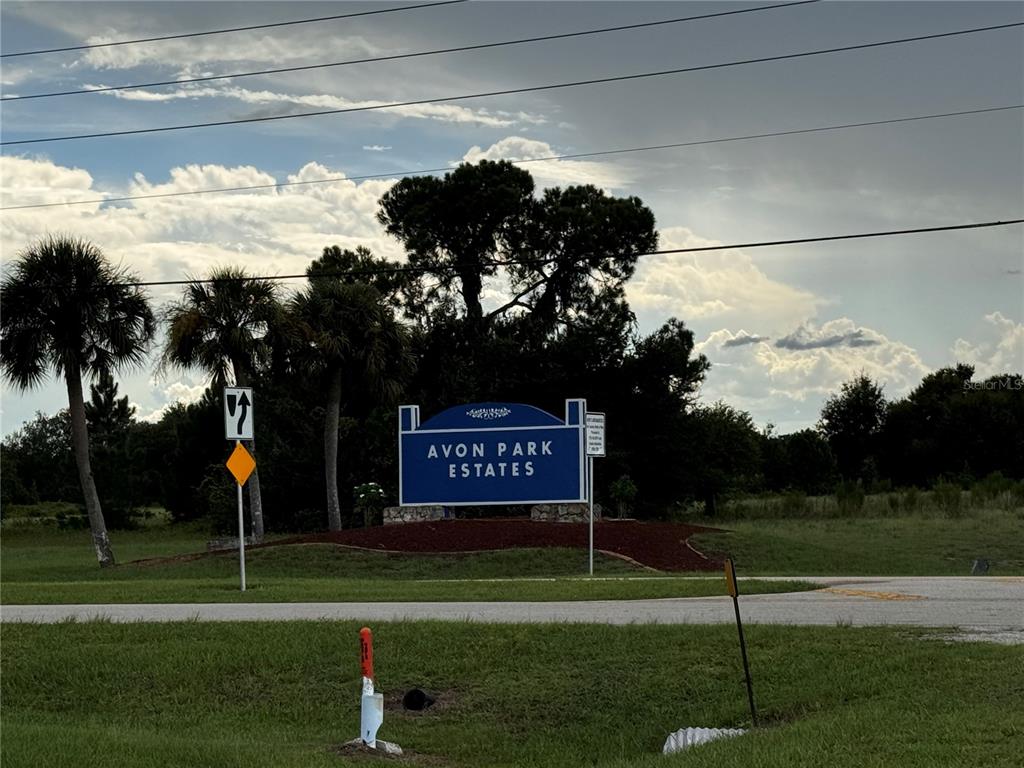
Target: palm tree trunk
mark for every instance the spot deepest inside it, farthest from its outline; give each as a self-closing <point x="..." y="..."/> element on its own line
<point x="255" y="500"/>
<point x="331" y="449"/>
<point x="80" y="444"/>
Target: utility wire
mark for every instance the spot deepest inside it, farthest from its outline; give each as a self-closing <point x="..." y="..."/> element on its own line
<point x="577" y="155"/>
<point x="509" y="91"/>
<point x="230" y="29"/>
<point x="509" y="262"/>
<point x="417" y="54"/>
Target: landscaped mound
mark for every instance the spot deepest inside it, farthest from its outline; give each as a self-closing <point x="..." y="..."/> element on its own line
<point x="656" y="545"/>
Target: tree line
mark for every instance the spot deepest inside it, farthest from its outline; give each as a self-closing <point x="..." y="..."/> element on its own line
<point x="332" y="360"/>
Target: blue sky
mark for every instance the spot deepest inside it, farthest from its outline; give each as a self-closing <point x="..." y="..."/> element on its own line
<point x="914" y="303"/>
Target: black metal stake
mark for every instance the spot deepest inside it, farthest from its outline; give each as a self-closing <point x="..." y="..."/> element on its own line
<point x="730" y="577"/>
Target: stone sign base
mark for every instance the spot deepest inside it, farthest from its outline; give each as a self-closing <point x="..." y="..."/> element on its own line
<point x="215" y="545"/>
<point x="564" y="513"/>
<point x="419" y="514"/>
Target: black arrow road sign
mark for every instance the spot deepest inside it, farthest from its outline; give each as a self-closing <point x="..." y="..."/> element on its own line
<point x="238" y="413"/>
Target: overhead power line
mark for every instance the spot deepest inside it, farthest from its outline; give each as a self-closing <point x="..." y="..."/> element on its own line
<point x="573" y="156"/>
<point x="395" y="57"/>
<point x="230" y="29"/>
<point x="512" y="262"/>
<point x="510" y="91"/>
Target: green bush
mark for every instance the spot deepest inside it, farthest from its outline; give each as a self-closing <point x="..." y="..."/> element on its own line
<point x="849" y="498"/>
<point x="623" y="493"/>
<point x="43" y="510"/>
<point x="911" y="499"/>
<point x="947" y="497"/>
<point x="990" y="489"/>
<point x="794" y="504"/>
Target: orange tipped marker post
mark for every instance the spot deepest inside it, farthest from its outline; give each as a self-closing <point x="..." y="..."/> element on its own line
<point x="366" y="651"/>
<point x="371" y="716"/>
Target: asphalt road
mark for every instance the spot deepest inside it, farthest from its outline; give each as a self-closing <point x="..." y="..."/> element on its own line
<point x="983" y="607"/>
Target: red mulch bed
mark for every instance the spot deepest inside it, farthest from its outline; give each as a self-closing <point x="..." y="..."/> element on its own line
<point x="657" y="545"/>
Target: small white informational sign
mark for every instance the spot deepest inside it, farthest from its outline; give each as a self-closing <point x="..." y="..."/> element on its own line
<point x="595" y="434"/>
<point x="238" y="413"/>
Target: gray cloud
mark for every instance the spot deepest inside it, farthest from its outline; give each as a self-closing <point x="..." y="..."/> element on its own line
<point x="740" y="341"/>
<point x="801" y="340"/>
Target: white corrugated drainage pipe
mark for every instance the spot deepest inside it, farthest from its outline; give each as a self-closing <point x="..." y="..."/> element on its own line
<point x="685" y="738"/>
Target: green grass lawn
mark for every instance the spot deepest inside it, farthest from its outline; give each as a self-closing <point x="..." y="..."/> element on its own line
<point x="57" y="567"/>
<point x="931" y="545"/>
<point x="282" y="694"/>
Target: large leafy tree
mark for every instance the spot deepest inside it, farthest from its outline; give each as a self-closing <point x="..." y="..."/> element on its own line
<point x="582" y="246"/>
<point x="67" y="309"/>
<point x="459" y="227"/>
<point x="348" y="335"/>
<point x="223" y="326"/>
<point x="852" y="421"/>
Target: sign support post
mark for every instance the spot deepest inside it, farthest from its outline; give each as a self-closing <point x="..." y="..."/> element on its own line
<point x="730" y="582"/>
<point x="241" y="535"/>
<point x="595" y="447"/>
<point x="590" y="503"/>
<point x="238" y="420"/>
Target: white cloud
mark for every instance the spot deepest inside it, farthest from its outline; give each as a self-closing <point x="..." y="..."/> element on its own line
<point x="375" y="148"/>
<point x="550" y="173"/>
<point x="1002" y="351"/>
<point x="777" y="382"/>
<point x="722" y="287"/>
<point x="172" y="394"/>
<point x="265" y="49"/>
<point x="450" y="113"/>
<point x="29" y="181"/>
<point x="269" y="231"/>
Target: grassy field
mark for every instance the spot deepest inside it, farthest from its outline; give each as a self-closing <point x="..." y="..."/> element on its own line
<point x="285" y="694"/>
<point x="46" y="566"/>
<point x="911" y="545"/>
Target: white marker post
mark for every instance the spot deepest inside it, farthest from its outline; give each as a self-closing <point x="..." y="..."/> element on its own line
<point x="595" y="447"/>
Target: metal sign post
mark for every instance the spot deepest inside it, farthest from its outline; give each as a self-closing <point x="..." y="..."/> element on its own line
<point x="238" y="421"/>
<point x="241" y="464"/>
<point x="730" y="582"/>
<point x="590" y="504"/>
<point x="241" y="538"/>
<point x="595" y="447"/>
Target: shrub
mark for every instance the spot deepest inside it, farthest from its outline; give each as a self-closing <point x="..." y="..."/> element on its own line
<point x="794" y="504"/>
<point x="369" y="503"/>
<point x="947" y="497"/>
<point x="850" y="498"/>
<point x="911" y="498"/>
<point x="990" y="488"/>
<point x="623" y="493"/>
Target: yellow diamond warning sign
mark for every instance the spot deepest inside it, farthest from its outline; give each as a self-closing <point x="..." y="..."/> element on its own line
<point x="241" y="464"/>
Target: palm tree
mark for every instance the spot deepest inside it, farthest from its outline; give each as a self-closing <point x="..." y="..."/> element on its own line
<point x="67" y="308"/>
<point x="220" y="326"/>
<point x="348" y="334"/>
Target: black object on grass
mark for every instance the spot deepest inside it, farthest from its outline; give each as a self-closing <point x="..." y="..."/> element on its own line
<point x="416" y="700"/>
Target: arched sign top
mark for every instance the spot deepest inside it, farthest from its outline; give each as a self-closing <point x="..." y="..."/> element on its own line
<point x="491" y="416"/>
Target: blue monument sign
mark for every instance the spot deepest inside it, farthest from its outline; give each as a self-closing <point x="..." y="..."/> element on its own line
<point x="492" y="453"/>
